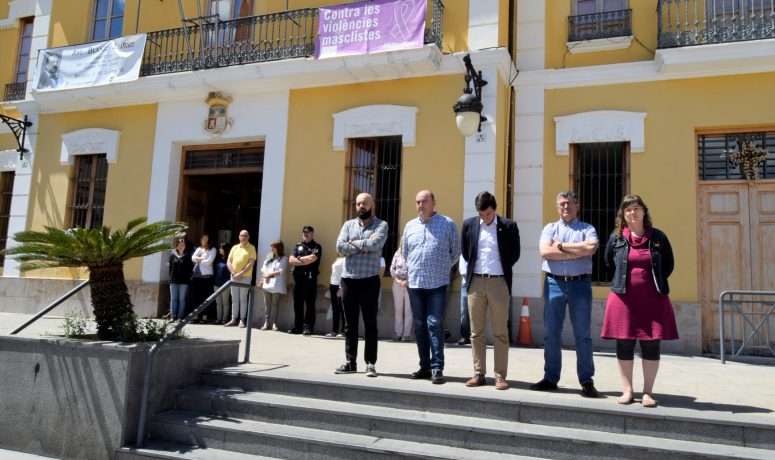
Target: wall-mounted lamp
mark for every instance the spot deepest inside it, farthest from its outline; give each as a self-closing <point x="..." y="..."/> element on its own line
<point x="468" y="108"/>
<point x="19" y="130"/>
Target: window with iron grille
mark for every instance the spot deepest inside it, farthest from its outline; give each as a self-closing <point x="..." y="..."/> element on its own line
<point x="595" y="19"/>
<point x="242" y="158"/>
<point x="374" y="167"/>
<point x="600" y="179"/>
<point x="108" y="19"/>
<point x="6" y="193"/>
<point x="715" y="150"/>
<point x="87" y="191"/>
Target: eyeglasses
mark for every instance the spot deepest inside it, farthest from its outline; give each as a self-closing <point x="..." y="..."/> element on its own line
<point x="243" y="236"/>
<point x="566" y="204"/>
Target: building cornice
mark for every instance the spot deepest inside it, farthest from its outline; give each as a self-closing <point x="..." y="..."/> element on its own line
<point x="268" y="76"/>
<point x="669" y="64"/>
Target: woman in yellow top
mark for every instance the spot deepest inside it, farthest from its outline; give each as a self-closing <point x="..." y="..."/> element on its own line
<point x="240" y="264"/>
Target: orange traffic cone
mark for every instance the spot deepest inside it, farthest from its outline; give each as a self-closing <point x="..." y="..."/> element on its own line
<point x="525" y="336"/>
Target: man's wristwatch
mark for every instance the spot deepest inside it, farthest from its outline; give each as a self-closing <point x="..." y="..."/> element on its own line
<point x="559" y="246"/>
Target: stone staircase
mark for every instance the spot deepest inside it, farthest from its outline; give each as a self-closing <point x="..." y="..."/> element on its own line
<point x="235" y="414"/>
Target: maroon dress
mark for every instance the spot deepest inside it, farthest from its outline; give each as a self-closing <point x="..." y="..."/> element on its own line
<point x="641" y="312"/>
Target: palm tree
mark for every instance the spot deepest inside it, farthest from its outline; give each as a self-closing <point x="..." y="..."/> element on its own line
<point x="103" y="253"/>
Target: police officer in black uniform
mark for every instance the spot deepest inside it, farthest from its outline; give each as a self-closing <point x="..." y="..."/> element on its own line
<point x="305" y="263"/>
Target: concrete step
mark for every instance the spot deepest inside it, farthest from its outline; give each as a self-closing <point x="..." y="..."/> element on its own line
<point x="292" y="442"/>
<point x="533" y="408"/>
<point x="468" y="432"/>
<point x="171" y="450"/>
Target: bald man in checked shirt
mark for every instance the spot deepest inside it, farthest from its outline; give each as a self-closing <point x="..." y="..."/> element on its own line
<point x="431" y="247"/>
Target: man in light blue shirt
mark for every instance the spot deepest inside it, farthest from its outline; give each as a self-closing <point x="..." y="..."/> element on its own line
<point x="431" y="248"/>
<point x="567" y="246"/>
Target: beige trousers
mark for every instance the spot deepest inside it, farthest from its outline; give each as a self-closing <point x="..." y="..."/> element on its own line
<point x="489" y="295"/>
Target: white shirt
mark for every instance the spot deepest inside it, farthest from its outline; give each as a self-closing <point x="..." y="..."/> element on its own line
<point x="488" y="258"/>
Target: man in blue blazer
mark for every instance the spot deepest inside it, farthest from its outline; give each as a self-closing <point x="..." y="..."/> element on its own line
<point x="490" y="245"/>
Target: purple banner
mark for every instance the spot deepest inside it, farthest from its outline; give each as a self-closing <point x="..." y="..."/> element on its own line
<point x="370" y="27"/>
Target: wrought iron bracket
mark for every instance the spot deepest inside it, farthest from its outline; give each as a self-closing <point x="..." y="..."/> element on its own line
<point x="19" y="130"/>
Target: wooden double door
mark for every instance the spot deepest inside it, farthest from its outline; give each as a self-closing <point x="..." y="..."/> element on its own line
<point x="736" y="244"/>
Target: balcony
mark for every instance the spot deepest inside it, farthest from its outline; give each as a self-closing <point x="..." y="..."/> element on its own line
<point x="703" y="22"/>
<point x="269" y="37"/>
<point x="600" y="25"/>
<point x="15" y="92"/>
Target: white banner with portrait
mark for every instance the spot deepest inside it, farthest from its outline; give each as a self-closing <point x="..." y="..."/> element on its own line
<point x="90" y="64"/>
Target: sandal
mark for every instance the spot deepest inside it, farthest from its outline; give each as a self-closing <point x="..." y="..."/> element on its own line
<point x="625" y="399"/>
<point x="648" y="401"/>
<point x="275" y="328"/>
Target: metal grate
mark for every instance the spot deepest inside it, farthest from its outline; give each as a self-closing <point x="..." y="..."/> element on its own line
<point x="250" y="157"/>
<point x="601" y="182"/>
<point x="714" y="150"/>
<point x="6" y="193"/>
<point x="87" y="193"/>
<point x="374" y="167"/>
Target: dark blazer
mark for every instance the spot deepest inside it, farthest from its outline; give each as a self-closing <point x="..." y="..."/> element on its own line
<point x="508" y="245"/>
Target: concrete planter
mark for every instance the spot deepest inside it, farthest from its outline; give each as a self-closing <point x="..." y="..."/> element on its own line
<point x="68" y="398"/>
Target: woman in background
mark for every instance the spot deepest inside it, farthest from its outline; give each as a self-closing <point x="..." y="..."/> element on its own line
<point x="403" y="311"/>
<point x="220" y="277"/>
<point x="202" y="277"/>
<point x="274" y="284"/>
<point x="180" y="267"/>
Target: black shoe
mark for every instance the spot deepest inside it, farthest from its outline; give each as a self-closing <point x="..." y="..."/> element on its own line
<point x="437" y="377"/>
<point x="421" y="373"/>
<point x="294" y="331"/>
<point x="346" y="368"/>
<point x="464" y="341"/>
<point x="543" y="385"/>
<point x="447" y="334"/>
<point x="307" y="331"/>
<point x="588" y="390"/>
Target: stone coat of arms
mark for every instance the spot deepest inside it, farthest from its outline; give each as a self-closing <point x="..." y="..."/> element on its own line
<point x="217" y="121"/>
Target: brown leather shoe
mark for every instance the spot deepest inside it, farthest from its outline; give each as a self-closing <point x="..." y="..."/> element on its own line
<point x="501" y="384"/>
<point x="476" y="381"/>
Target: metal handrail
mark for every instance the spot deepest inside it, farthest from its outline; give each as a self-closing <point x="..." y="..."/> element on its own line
<point x="53" y="305"/>
<point x="726" y="298"/>
<point x="171" y="333"/>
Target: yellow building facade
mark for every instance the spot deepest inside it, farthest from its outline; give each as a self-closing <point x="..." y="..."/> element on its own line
<point x="567" y="81"/>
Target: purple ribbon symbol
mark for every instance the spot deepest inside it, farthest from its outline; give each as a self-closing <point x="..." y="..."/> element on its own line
<point x="403" y="11"/>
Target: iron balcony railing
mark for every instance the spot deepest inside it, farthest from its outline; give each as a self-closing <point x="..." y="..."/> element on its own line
<point x="600" y="25"/>
<point x="210" y="43"/>
<point x="15" y="91"/>
<point x="702" y="22"/>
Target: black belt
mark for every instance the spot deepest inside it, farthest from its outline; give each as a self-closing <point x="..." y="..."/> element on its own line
<point x="485" y="275"/>
<point x="568" y="278"/>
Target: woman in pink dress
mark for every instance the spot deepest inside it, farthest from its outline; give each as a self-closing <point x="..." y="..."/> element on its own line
<point x="638" y="308"/>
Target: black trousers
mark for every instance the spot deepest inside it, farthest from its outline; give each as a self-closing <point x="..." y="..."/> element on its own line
<point x="201" y="289"/>
<point x="305" y="287"/>
<point x="360" y="296"/>
<point x="336" y="307"/>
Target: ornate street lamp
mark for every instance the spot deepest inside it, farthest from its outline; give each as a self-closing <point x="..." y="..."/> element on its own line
<point x="19" y="130"/>
<point x="468" y="108"/>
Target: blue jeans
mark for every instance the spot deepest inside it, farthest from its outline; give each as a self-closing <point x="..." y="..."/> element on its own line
<point x="428" y="307"/>
<point x="178" y="300"/>
<point x="577" y="295"/>
<point x="465" y="320"/>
